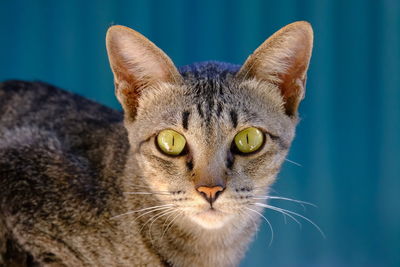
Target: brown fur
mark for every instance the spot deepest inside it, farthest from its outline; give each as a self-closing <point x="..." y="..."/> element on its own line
<point x="83" y="189"/>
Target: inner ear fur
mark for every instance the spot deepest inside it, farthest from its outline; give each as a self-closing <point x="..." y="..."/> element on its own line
<point x="137" y="64"/>
<point x="283" y="60"/>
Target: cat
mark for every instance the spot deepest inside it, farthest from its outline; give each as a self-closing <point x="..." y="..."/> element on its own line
<point x="171" y="181"/>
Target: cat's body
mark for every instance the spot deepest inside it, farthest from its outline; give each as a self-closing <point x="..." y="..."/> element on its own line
<point x="61" y="153"/>
<point x="61" y="133"/>
<point x="77" y="188"/>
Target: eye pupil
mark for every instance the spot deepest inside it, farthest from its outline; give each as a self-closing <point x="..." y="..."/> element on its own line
<point x="248" y="140"/>
<point x="171" y="142"/>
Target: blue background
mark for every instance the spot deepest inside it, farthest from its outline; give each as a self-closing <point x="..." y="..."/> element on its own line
<point x="348" y="141"/>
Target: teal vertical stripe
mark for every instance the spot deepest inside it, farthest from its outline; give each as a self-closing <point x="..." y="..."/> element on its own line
<point x="348" y="141"/>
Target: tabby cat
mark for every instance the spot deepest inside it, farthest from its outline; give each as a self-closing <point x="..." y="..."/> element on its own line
<point x="174" y="181"/>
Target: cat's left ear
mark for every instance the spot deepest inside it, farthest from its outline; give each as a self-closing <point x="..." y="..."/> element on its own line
<point x="283" y="60"/>
<point x="138" y="65"/>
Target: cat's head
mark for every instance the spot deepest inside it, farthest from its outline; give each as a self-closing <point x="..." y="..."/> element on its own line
<point x="211" y="137"/>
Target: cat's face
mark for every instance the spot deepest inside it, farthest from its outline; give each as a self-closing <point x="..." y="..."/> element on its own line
<point x="209" y="127"/>
<point x="231" y="129"/>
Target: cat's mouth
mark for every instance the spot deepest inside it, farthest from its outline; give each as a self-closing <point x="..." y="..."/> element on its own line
<point x="211" y="218"/>
<point x="212" y="210"/>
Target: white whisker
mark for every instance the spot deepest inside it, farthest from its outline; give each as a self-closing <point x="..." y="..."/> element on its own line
<point x="154" y="216"/>
<point x="155" y="219"/>
<point x="278" y="210"/>
<point x="162" y="209"/>
<point x="285" y="198"/>
<point x="293" y="162"/>
<point x="138" y="185"/>
<point x="143" y="187"/>
<point x="269" y="224"/>
<point x="134" y="211"/>
<point x="170" y="223"/>
<point x="166" y="220"/>
<point x="147" y="193"/>
<point x="294" y="213"/>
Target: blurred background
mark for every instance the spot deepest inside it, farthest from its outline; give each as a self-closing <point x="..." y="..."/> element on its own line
<point x="348" y="142"/>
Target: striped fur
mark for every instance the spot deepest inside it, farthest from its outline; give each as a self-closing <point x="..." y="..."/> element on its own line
<point x="83" y="185"/>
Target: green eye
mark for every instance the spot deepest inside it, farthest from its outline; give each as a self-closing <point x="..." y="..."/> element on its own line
<point x="249" y="140"/>
<point x="171" y="142"/>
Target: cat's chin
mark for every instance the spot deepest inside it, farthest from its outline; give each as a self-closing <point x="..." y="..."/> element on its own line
<point x="211" y="219"/>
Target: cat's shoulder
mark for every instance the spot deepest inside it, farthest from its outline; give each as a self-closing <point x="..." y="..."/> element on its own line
<point x="61" y="159"/>
<point x="18" y="96"/>
<point x="39" y="112"/>
<point x="54" y="152"/>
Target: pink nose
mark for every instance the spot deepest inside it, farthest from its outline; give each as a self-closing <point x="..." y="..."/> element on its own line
<point x="210" y="193"/>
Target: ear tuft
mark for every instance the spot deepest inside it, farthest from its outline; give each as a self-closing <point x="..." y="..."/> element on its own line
<point x="136" y="64"/>
<point x="283" y="60"/>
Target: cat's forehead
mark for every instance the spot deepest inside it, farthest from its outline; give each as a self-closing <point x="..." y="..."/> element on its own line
<point x="209" y="89"/>
<point x="208" y="70"/>
<point x="213" y="102"/>
<point x="216" y="95"/>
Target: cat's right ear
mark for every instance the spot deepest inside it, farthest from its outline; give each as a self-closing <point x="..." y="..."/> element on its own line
<point x="137" y="64"/>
